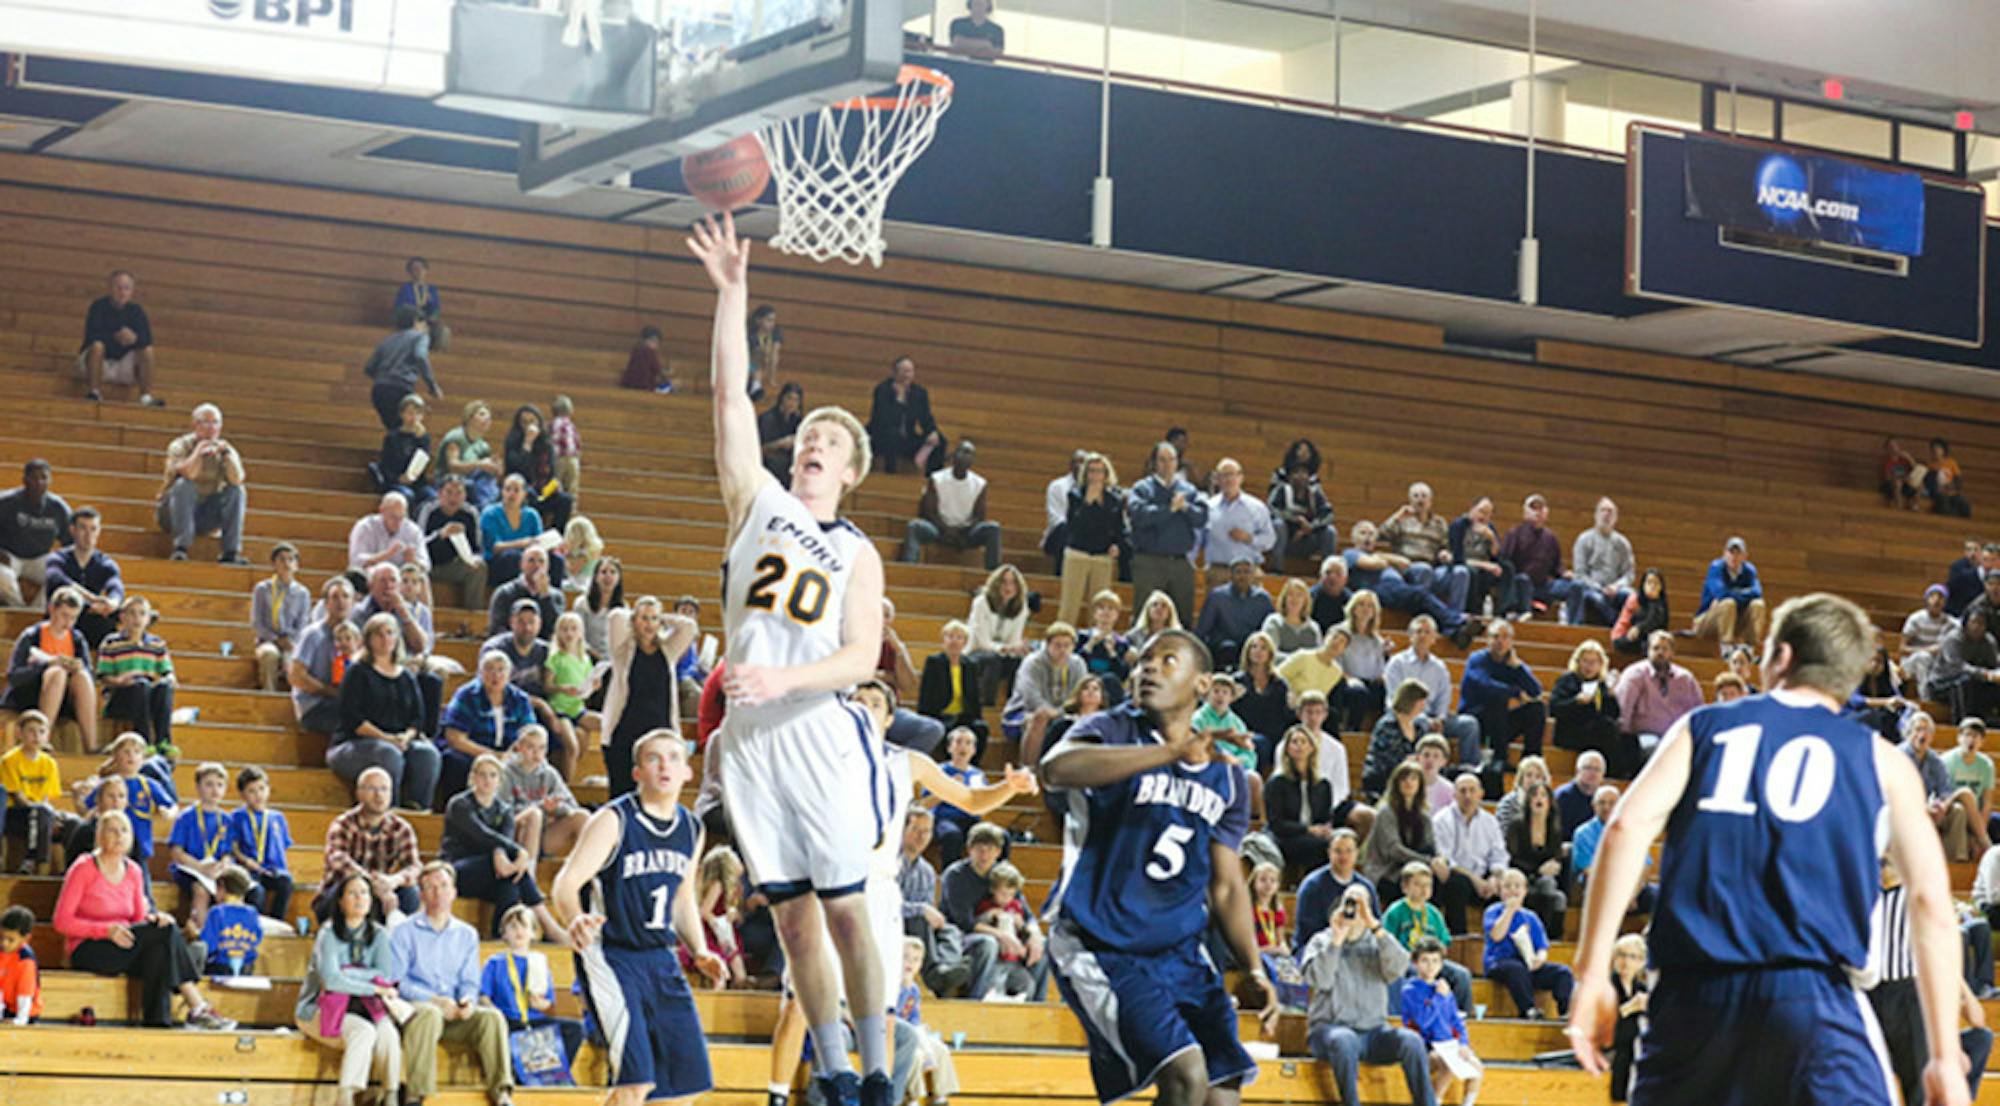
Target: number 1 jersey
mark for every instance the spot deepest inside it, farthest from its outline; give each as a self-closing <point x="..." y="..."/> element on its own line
<point x="636" y="888"/>
<point x="1772" y="856"/>
<point x="784" y="584"/>
<point x="1136" y="862"/>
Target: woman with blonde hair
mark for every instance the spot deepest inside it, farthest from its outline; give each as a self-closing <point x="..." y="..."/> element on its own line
<point x="1291" y="626"/>
<point x="998" y="624"/>
<point x="581" y="548"/>
<point x="1585" y="706"/>
<point x="1265" y="704"/>
<point x="1298" y="804"/>
<point x="1155" y="616"/>
<point x="1095" y="525"/>
<point x="1366" y="657"/>
<point x="466" y="454"/>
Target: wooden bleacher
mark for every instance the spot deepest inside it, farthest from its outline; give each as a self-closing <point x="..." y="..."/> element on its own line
<point x="288" y="288"/>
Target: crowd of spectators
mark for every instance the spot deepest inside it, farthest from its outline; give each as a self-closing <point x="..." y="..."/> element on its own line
<point x="1388" y="872"/>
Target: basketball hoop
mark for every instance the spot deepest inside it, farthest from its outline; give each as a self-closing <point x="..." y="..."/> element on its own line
<point x="834" y="177"/>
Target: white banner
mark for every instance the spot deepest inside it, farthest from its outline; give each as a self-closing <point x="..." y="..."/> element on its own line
<point x="388" y="45"/>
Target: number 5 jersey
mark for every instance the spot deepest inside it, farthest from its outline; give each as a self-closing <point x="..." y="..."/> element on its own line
<point x="1136" y="861"/>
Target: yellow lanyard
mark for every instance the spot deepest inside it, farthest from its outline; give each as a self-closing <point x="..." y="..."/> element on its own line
<point x="520" y="988"/>
<point x="277" y="605"/>
<point x="209" y="842"/>
<point x="262" y="823"/>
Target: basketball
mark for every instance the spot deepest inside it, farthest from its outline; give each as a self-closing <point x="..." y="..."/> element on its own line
<point x="729" y="176"/>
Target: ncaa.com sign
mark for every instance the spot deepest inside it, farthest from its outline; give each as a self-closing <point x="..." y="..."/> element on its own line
<point x="1784" y="190"/>
<point x="388" y="45"/>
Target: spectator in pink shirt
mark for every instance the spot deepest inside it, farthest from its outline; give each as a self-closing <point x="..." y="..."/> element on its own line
<point x="1654" y="695"/>
<point x="109" y="928"/>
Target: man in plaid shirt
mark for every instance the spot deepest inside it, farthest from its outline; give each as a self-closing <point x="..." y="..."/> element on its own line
<point x="376" y="842"/>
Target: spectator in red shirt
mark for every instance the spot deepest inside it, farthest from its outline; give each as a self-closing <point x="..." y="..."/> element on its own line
<point x="1536" y="554"/>
<point x="109" y="928"/>
<point x="646" y="369"/>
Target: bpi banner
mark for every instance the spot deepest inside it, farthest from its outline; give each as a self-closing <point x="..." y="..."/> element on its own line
<point x="1804" y="196"/>
<point x="385" y="45"/>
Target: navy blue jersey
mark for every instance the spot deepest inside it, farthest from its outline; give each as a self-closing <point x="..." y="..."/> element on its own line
<point x="1772" y="855"/>
<point x="1136" y="854"/>
<point x="635" y="890"/>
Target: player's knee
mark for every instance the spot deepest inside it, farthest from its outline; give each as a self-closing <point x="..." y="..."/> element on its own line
<point x="628" y="1096"/>
<point x="1183" y="1082"/>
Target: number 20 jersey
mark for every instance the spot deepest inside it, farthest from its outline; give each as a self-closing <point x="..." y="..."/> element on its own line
<point x="785" y="583"/>
<point x="1772" y="856"/>
<point x="1136" y="853"/>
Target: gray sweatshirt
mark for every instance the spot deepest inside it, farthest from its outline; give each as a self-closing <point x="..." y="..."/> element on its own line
<point x="1350" y="982"/>
<point x="1602" y="561"/>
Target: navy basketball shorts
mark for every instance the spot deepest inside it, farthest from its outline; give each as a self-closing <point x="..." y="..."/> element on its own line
<point x="646" y="1012"/>
<point x="1140" y="1011"/>
<point x="1761" y="1037"/>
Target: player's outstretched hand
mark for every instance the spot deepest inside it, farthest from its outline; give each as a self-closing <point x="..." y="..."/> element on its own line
<point x="726" y="257"/>
<point x="1944" y="1083"/>
<point x="713" y="967"/>
<point x="1593" y="1015"/>
<point x="1022" y="781"/>
<point x="583" y="930"/>
<point x="750" y="685"/>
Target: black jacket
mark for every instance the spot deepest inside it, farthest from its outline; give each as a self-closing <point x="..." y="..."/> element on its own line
<point x="1290" y="808"/>
<point x="1583" y="723"/>
<point x="907" y="419"/>
<point x="934" y="691"/>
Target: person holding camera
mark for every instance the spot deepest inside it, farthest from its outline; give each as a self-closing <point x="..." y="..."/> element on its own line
<point x="1349" y="967"/>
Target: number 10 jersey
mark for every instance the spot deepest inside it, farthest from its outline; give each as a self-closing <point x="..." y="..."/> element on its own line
<point x="784" y="588"/>
<point x="1772" y="856"/>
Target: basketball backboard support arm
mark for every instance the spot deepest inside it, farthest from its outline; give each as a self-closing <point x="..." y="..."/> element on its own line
<point x="782" y="83"/>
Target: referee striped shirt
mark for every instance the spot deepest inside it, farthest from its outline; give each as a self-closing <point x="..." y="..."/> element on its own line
<point x="1889" y="951"/>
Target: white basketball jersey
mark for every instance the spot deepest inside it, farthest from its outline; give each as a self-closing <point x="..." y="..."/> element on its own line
<point x="784" y="588"/>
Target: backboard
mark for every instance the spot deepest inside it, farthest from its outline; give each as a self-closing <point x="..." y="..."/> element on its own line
<point x="607" y="87"/>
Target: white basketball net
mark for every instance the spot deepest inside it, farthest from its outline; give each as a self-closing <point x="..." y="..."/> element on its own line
<point x="833" y="189"/>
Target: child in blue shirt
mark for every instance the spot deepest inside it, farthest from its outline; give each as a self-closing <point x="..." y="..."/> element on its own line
<point x="1517" y="950"/>
<point x="261" y="837"/>
<point x="519" y="984"/>
<point x="201" y="842"/>
<point x="145" y="795"/>
<point x="1430" y="1010"/>
<point x="233" y="931"/>
<point x="933" y="1057"/>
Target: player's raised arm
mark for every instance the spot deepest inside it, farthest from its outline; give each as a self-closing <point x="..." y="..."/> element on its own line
<point x="592" y="852"/>
<point x="1914" y="846"/>
<point x="1621" y="863"/>
<point x="739" y="460"/>
<point x="1079" y="760"/>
